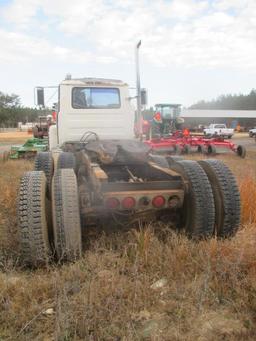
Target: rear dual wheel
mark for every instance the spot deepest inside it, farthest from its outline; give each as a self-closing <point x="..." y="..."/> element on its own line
<point x="44" y="162"/>
<point x="66" y="215"/>
<point x="226" y="197"/>
<point x="34" y="218"/>
<point x="66" y="160"/>
<point x="198" y="212"/>
<point x="212" y="199"/>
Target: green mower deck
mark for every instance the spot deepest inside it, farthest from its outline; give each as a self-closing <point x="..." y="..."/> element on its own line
<point x="29" y="148"/>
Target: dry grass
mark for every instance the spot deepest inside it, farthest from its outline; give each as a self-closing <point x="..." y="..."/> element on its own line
<point x="248" y="195"/>
<point x="208" y="289"/>
<point x="10" y="173"/>
<point x="15" y="137"/>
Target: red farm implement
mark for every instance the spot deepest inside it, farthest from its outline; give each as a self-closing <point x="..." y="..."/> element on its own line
<point x="179" y="143"/>
<point x="164" y="134"/>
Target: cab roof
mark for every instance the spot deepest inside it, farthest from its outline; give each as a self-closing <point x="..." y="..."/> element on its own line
<point x="93" y="82"/>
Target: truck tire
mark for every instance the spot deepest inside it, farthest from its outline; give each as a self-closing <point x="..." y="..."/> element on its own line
<point x="66" y="160"/>
<point x="66" y="215"/>
<point x="198" y="212"/>
<point x="44" y="162"/>
<point x="32" y="219"/>
<point x="226" y="197"/>
<point x="241" y="151"/>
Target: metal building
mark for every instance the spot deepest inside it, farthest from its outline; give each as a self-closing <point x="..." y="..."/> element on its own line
<point x="232" y="118"/>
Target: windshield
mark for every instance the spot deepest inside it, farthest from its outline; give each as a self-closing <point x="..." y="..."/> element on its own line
<point x="168" y="112"/>
<point x="83" y="98"/>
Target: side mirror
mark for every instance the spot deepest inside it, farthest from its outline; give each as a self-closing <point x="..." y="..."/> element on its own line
<point x="144" y="96"/>
<point x="40" y="96"/>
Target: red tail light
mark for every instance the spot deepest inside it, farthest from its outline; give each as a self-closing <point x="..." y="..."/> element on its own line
<point x="128" y="203"/>
<point x="112" y="203"/>
<point x="158" y="201"/>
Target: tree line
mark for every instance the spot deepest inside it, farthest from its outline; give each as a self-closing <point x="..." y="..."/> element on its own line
<point x="12" y="112"/>
<point x="229" y="102"/>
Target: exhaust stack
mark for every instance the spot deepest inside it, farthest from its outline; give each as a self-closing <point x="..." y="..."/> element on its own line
<point x="138" y="89"/>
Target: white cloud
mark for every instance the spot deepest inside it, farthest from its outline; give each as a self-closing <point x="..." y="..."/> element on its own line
<point x="21" y="12"/>
<point x="19" y="47"/>
<point x="224" y="5"/>
<point x="187" y="33"/>
<point x="180" y="9"/>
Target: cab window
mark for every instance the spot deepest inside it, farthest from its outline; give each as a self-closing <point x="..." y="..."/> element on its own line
<point x="84" y="98"/>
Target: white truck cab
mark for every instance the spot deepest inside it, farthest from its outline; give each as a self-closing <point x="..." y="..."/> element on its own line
<point x="102" y="106"/>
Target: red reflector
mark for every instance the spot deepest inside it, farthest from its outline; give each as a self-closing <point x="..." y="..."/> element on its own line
<point x="128" y="203"/>
<point x="158" y="201"/>
<point x="112" y="203"/>
<point x="158" y="117"/>
<point x="54" y="115"/>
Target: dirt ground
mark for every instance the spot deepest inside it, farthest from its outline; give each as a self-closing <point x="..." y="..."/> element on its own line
<point x="14" y="135"/>
<point x="7" y="139"/>
<point x="149" y="284"/>
<point x="245" y="140"/>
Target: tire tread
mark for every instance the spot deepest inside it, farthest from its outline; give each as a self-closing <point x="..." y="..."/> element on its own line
<point x="33" y="230"/>
<point x="226" y="185"/>
<point x="66" y="215"/>
<point x="202" y="205"/>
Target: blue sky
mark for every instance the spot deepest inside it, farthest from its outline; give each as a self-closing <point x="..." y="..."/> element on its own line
<point x="191" y="49"/>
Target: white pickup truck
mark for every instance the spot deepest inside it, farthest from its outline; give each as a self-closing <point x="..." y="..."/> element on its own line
<point x="219" y="130"/>
<point x="252" y="132"/>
